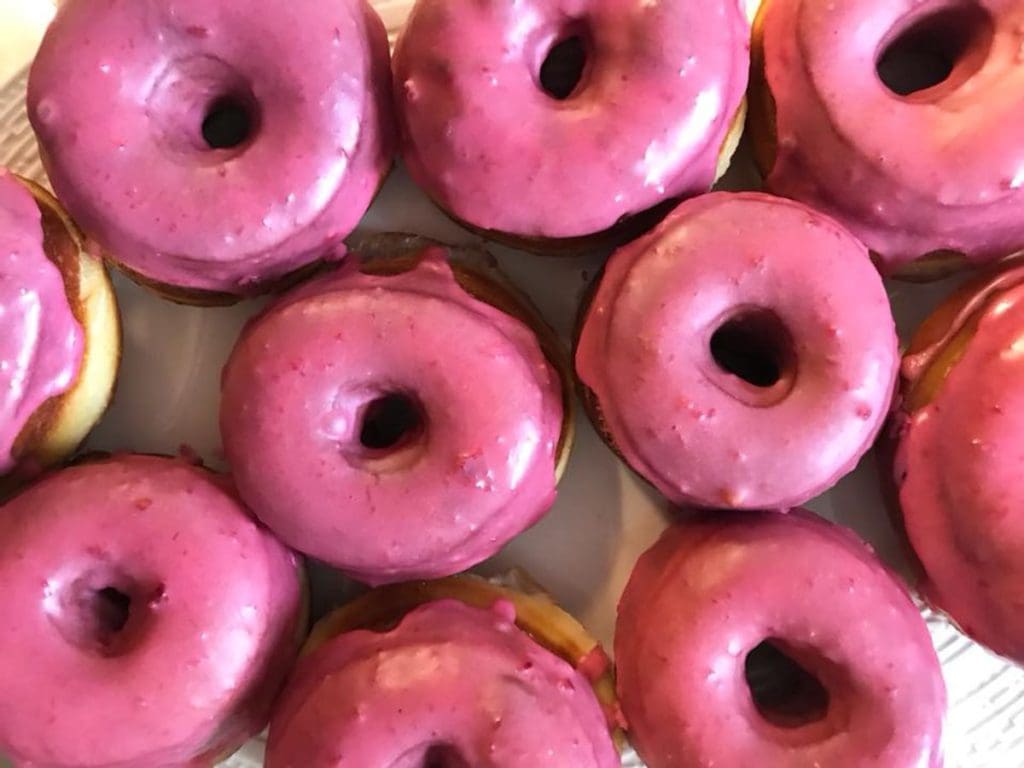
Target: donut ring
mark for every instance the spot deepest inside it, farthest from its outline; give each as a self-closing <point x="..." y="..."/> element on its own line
<point x="701" y="337"/>
<point x="726" y="658"/>
<point x="958" y="451"/>
<point x="487" y="691"/>
<point x="642" y="126"/>
<point x="60" y="337"/>
<point x="924" y="186"/>
<point x="387" y="465"/>
<point x="140" y="586"/>
<point x="209" y="149"/>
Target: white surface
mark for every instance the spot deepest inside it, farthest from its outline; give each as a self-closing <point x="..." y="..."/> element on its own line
<point x="585" y="548"/>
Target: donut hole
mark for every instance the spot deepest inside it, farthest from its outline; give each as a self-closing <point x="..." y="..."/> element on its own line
<point x="391" y="422"/>
<point x="562" y="69"/>
<point x="97" y="611"/>
<point x="755" y="346"/>
<point x="230" y="121"/>
<point x="444" y="756"/>
<point x="784" y="692"/>
<point x="945" y="47"/>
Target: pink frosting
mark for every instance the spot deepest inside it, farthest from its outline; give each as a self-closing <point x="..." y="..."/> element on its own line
<point x="658" y="96"/>
<point x="41" y="343"/>
<point x="450" y="686"/>
<point x="211" y="627"/>
<point x="712" y="589"/>
<point x="118" y="95"/>
<point x="703" y="435"/>
<point x="941" y="169"/>
<point x="961" y="492"/>
<point x="296" y="393"/>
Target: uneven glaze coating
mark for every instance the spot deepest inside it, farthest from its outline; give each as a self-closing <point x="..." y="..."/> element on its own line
<point x="940" y="169"/>
<point x="699" y="433"/>
<point x="118" y="96"/>
<point x="480" y="468"/>
<point x="713" y="589"/>
<point x="41" y="342"/>
<point x="211" y="625"/>
<point x="451" y="685"/>
<point x="662" y="84"/>
<point x="959" y="468"/>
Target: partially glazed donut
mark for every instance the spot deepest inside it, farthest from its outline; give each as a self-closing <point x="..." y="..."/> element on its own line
<point x="151" y="621"/>
<point x="213" y="148"/>
<point x="59" y="332"/>
<point x="655" y="115"/>
<point x="397" y="419"/>
<point x="775" y="641"/>
<point x="959" y="457"/>
<point x="926" y="178"/>
<point x="451" y="683"/>
<point x="741" y="355"/>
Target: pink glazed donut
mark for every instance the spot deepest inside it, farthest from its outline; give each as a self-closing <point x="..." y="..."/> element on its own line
<point x="450" y="686"/>
<point x="150" y="620"/>
<point x="775" y="641"/>
<point x="655" y="115"/>
<point x="937" y="172"/>
<point x="396" y="426"/>
<point x="214" y="147"/>
<point x="741" y="355"/>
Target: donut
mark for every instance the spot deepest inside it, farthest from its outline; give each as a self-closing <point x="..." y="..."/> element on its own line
<point x="742" y="355"/>
<point x="213" y="149"/>
<point x="959" y="448"/>
<point x="456" y="673"/>
<point x="898" y="118"/>
<point x="589" y="111"/>
<point x="397" y="418"/>
<point x="151" y="621"/>
<point x="724" y="658"/>
<point x="59" y="333"/>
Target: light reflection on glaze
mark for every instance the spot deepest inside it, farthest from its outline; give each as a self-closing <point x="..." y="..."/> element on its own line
<point x="118" y="95"/>
<point x="41" y="343"/>
<point x="959" y="462"/>
<point x="712" y="589"/>
<point x="483" y="470"/>
<point x="448" y="676"/>
<point x="909" y="176"/>
<point x="699" y="433"/>
<point x="662" y="85"/>
<point x="215" y="601"/>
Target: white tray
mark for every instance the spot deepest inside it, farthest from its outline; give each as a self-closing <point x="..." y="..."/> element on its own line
<point x="584" y="549"/>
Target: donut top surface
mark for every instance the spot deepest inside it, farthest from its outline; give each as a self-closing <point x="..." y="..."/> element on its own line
<point x="214" y="145"/>
<point x="450" y="685"/>
<point x="150" y="620"/>
<point x="469" y="408"/>
<point x="784" y="283"/>
<point x="41" y="342"/>
<point x="661" y="86"/>
<point x="959" y="465"/>
<point x="713" y="590"/>
<point x="938" y="169"/>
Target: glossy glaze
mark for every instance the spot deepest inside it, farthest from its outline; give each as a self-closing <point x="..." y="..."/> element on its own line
<point x="711" y="590"/>
<point x="211" y="628"/>
<point x="646" y="123"/>
<point x="959" y="466"/>
<point x="465" y="682"/>
<point x="41" y="342"/>
<point x="700" y="434"/>
<point x="295" y="396"/>
<point x="118" y="94"/>
<point x="941" y="169"/>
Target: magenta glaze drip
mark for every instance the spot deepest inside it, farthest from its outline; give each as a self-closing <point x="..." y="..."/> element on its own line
<point x="41" y="343"/>
<point x="662" y="84"/>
